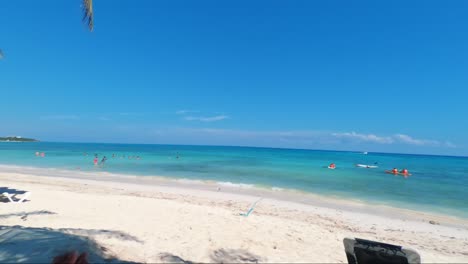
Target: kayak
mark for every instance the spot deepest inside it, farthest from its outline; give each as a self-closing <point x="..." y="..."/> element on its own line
<point x="366" y="166"/>
<point x="331" y="168"/>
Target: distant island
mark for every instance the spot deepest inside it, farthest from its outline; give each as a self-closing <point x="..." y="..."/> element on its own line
<point x="17" y="139"/>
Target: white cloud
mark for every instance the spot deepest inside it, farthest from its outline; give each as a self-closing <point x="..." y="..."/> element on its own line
<point x="364" y="137"/>
<point x="302" y="139"/>
<point x="413" y="141"/>
<point x="321" y="137"/>
<point x="206" y="119"/>
<point x="449" y="144"/>
<point x="60" y="117"/>
<point x="184" y="112"/>
<point x="397" y="138"/>
<point x="104" y="118"/>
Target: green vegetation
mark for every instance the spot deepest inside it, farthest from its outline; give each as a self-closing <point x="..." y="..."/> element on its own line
<point x="88" y="16"/>
<point x="17" y="139"/>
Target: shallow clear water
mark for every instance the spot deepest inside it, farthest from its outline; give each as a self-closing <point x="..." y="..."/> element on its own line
<point x="439" y="183"/>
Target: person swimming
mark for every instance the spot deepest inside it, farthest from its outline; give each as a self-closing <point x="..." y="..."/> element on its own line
<point x="404" y="172"/>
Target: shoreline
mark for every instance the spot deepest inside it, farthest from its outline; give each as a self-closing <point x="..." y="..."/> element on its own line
<point x="251" y="190"/>
<point x="197" y="223"/>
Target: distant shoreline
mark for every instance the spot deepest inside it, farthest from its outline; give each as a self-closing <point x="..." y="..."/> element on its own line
<point x="17" y="139"/>
<point x="12" y="141"/>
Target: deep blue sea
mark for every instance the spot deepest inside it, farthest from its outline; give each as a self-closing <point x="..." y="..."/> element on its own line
<point x="438" y="183"/>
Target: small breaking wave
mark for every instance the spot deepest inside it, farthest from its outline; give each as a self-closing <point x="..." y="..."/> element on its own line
<point x="235" y="185"/>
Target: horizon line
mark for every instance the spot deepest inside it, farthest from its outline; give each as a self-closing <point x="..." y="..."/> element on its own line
<point x="247" y="146"/>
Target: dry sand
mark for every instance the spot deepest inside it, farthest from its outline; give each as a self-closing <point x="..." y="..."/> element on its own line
<point x="155" y="220"/>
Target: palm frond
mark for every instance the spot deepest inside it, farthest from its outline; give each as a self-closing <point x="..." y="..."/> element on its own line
<point x="88" y="13"/>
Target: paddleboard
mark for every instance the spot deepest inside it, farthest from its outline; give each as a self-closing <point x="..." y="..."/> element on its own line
<point x="366" y="166"/>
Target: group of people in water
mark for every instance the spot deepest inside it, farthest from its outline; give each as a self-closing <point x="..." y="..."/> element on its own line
<point x="395" y="171"/>
<point x="104" y="159"/>
<point x="96" y="159"/>
<point x="40" y="154"/>
<point x="403" y="172"/>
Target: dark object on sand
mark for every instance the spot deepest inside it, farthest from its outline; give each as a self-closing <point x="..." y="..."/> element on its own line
<point x="361" y="251"/>
<point x="71" y="258"/>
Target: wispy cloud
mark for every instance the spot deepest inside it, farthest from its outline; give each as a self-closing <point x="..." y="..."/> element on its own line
<point x="104" y="118"/>
<point x="449" y="144"/>
<point x="185" y="112"/>
<point x="396" y="138"/>
<point x="364" y="137"/>
<point x="413" y="141"/>
<point x="206" y="119"/>
<point x="321" y="137"/>
<point x="60" y="117"/>
<point x="303" y="139"/>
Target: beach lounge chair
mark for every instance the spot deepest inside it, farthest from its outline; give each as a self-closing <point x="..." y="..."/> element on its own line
<point x="11" y="196"/>
<point x="251" y="208"/>
<point x="361" y="251"/>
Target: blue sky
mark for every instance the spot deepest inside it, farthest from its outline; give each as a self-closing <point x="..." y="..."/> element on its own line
<point x="372" y="75"/>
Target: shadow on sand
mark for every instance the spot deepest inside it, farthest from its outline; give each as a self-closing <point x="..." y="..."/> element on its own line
<point x="40" y="245"/>
<point x="234" y="256"/>
<point x="24" y="215"/>
<point x="218" y="256"/>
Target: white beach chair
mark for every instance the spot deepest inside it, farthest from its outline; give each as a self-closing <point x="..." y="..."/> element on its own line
<point x="11" y="196"/>
<point x="251" y="208"/>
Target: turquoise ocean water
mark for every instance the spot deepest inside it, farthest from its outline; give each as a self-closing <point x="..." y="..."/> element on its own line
<point x="439" y="183"/>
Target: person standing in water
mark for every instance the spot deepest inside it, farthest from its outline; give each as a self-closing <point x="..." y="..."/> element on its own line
<point x="95" y="161"/>
<point x="103" y="160"/>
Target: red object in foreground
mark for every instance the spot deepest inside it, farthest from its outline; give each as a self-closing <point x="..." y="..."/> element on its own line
<point x="71" y="258"/>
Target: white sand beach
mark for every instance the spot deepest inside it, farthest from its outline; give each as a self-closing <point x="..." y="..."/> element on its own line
<point x="155" y="220"/>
